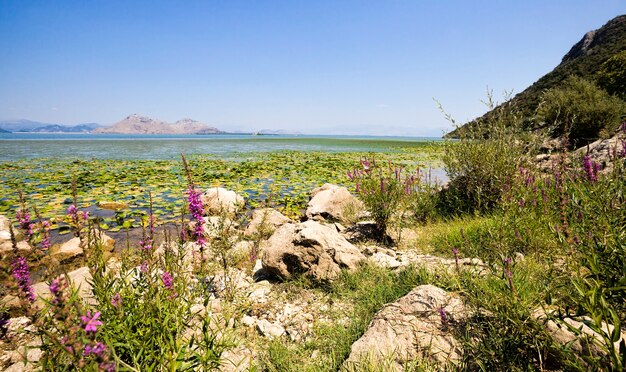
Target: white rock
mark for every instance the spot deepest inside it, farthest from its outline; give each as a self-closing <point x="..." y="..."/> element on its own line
<point x="218" y="200"/>
<point x="332" y="202"/>
<point x="384" y="260"/>
<point x="309" y="248"/>
<point x="270" y="330"/>
<point x="412" y="328"/>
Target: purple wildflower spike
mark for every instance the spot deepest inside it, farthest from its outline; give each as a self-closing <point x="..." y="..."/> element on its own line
<point x="21" y="274"/>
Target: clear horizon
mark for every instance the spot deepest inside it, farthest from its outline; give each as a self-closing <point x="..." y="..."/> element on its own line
<point x="351" y="67"/>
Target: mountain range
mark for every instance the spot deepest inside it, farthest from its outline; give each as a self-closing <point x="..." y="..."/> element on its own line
<point x="23" y="125"/>
<point x="137" y="124"/>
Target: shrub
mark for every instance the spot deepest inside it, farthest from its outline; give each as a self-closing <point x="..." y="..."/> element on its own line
<point x="612" y="75"/>
<point x="483" y="160"/>
<point x="580" y="111"/>
<point x="382" y="188"/>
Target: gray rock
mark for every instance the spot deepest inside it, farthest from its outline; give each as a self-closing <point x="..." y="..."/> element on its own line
<point x="589" y="342"/>
<point x="435" y="263"/>
<point x="384" y="260"/>
<point x="270" y="330"/>
<point x="308" y="248"/>
<point x="332" y="203"/>
<point x="265" y="221"/>
<point x="412" y="328"/>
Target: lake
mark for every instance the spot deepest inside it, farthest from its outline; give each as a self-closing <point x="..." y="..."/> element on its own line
<point x="15" y="146"/>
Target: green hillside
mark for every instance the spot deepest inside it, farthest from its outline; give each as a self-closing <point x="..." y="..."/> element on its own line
<point x="586" y="59"/>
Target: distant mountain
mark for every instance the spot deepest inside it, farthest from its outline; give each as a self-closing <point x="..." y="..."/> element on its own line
<point x="137" y="124"/>
<point x="56" y="128"/>
<point x="585" y="59"/>
<point x="21" y="125"/>
<point x="4" y="131"/>
<point x="24" y="125"/>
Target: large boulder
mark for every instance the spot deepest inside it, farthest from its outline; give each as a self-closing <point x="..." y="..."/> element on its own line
<point x="332" y="203"/>
<point x="417" y="326"/>
<point x="308" y="248"/>
<point x="218" y="200"/>
<point x="265" y="221"/>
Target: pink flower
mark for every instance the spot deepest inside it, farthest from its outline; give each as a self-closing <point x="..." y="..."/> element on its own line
<point x="168" y="281"/>
<point x="116" y="300"/>
<point x="21" y="273"/>
<point x="91" y="322"/>
<point x="98" y="349"/>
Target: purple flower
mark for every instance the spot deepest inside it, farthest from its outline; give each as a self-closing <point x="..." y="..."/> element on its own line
<point x="56" y="288"/>
<point x="98" y="349"/>
<point x="72" y="210"/>
<point x="591" y="168"/>
<point x="107" y="367"/>
<point x="194" y="197"/>
<point x="443" y="315"/>
<point x="91" y="322"/>
<point x="144" y="267"/>
<point x="168" y="281"/>
<point x="45" y="239"/>
<point x="23" y="218"/>
<point x="21" y="274"/>
<point x="116" y="300"/>
<point x="145" y="245"/>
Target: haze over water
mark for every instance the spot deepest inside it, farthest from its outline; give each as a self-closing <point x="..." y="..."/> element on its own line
<point x="15" y="146"/>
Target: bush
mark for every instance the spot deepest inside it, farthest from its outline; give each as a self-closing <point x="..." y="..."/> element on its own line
<point x="612" y="75"/>
<point x="483" y="160"/>
<point x="382" y="188"/>
<point x="580" y="111"/>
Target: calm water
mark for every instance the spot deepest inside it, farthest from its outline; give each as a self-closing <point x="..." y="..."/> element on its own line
<point x="15" y="146"/>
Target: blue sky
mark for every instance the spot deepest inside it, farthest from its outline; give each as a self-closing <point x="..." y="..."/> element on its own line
<point x="329" y="67"/>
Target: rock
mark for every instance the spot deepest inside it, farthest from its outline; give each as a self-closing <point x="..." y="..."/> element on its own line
<point x="435" y="263"/>
<point x="216" y="226"/>
<point x="72" y="248"/>
<point x="237" y="359"/>
<point x="68" y="250"/>
<point x="217" y="200"/>
<point x="270" y="330"/>
<point x="264" y="221"/>
<point x="5" y="233"/>
<point x="384" y="260"/>
<point x="602" y="151"/>
<point x="112" y="205"/>
<point x="412" y="328"/>
<point x="589" y="343"/>
<point x="332" y="203"/>
<point x="308" y="248"/>
<point x="6" y="248"/>
<point x="78" y="278"/>
<point x="259" y="291"/>
<point x="248" y="321"/>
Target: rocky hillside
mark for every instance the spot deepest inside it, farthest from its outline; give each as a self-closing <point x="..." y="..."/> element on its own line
<point x="137" y="124"/>
<point x="585" y="59"/>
